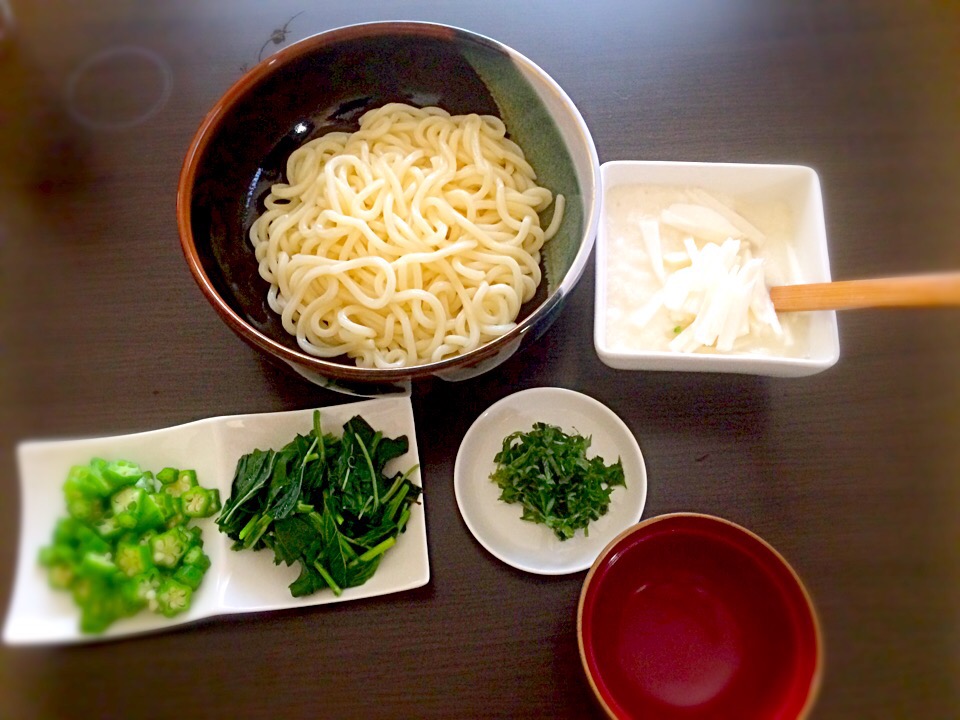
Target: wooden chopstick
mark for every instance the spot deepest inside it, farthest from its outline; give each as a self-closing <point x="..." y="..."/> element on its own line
<point x="931" y="290"/>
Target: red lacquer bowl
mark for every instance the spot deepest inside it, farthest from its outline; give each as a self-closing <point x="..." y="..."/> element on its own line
<point x="691" y="616"/>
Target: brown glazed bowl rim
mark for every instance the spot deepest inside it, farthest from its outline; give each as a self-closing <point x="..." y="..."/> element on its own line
<point x="221" y="109"/>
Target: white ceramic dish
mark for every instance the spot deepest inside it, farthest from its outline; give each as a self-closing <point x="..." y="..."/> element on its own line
<point x="796" y="186"/>
<point x="497" y="525"/>
<point x="237" y="582"/>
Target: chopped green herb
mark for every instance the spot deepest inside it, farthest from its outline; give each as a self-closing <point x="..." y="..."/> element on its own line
<point x="677" y="330"/>
<point x="548" y="472"/>
<point x="323" y="502"/>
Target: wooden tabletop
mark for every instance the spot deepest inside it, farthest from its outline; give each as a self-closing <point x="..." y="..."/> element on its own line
<point x="853" y="474"/>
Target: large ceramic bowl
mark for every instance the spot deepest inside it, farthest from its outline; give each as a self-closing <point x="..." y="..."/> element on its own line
<point x="326" y="82"/>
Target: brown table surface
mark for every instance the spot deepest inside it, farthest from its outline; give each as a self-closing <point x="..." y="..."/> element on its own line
<point x="853" y="474"/>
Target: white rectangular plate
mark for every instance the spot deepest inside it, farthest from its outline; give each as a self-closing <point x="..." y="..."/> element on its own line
<point x="237" y="582"/>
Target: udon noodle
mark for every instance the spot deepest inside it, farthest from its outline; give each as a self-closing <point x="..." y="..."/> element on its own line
<point x="412" y="240"/>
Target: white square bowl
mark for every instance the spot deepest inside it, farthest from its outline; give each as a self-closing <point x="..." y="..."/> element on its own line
<point x="816" y="346"/>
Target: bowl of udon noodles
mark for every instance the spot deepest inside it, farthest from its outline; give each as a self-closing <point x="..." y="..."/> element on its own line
<point x="390" y="201"/>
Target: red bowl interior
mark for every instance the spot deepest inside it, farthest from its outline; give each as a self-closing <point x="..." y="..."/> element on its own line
<point x="690" y="616"/>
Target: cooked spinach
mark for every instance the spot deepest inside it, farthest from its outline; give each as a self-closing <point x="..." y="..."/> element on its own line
<point x="548" y="472"/>
<point x="323" y="502"/>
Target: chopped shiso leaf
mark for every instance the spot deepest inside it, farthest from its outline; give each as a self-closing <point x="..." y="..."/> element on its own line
<point x="323" y="502"/>
<point x="548" y="472"/>
<point x="124" y="542"/>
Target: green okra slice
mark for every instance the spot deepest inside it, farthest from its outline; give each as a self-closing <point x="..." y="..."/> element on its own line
<point x="168" y="475"/>
<point x="173" y="597"/>
<point x="169" y="547"/>
<point x="186" y="479"/>
<point x="127" y="506"/>
<point x="200" y="502"/>
<point x="133" y="558"/>
<point x="121" y="473"/>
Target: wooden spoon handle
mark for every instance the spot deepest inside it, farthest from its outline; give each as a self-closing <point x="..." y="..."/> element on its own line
<point x="910" y="291"/>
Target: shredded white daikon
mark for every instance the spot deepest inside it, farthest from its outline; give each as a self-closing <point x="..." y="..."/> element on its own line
<point x="650" y="231"/>
<point x="699" y="221"/>
<point x="744" y="226"/>
<point x="709" y="284"/>
<point x="722" y="288"/>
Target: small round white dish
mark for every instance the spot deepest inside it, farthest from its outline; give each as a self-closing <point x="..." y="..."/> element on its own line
<point x="497" y="525"/>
